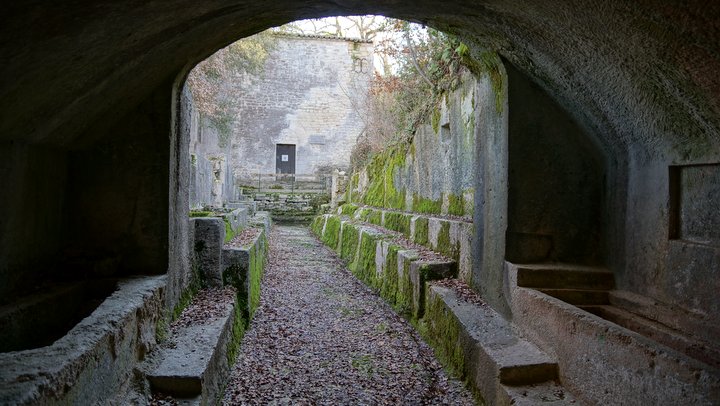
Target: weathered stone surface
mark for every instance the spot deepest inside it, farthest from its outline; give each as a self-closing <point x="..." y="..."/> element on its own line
<point x="209" y="241"/>
<point x="483" y="346"/>
<point x="238" y="219"/>
<point x="95" y="360"/>
<point x="546" y="393"/>
<point x="621" y="364"/>
<point x="193" y="361"/>
<point x="436" y="174"/>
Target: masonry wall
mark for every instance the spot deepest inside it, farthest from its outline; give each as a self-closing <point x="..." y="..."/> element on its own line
<point x="436" y="173"/>
<point x="212" y="182"/>
<point x="305" y="95"/>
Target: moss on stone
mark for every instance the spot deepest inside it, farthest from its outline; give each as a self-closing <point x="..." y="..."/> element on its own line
<point x="257" y="267"/>
<point x="488" y="62"/>
<point x="198" y="213"/>
<point x="421" y="231"/>
<point x="332" y="232"/>
<point x="435" y="119"/>
<point x="444" y="245"/>
<point x="317" y="225"/>
<point x="381" y="191"/>
<point x="363" y="265"/>
<point x="428" y="206"/>
<point x="404" y="293"/>
<point x="395" y="161"/>
<point x="375" y="217"/>
<point x="397" y="222"/>
<point x="388" y="290"/>
<point x="229" y="233"/>
<point x="442" y="330"/>
<point x="456" y="204"/>
<point x="350" y="238"/>
<point x="348" y="209"/>
<point x="240" y="324"/>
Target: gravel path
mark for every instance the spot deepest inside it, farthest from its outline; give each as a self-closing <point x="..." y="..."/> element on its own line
<point x="322" y="337"/>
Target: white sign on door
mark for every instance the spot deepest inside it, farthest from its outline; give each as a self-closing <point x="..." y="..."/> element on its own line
<point x="284" y="158"/>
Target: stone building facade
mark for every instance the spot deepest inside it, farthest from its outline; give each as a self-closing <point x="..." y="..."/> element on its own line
<point x="299" y="115"/>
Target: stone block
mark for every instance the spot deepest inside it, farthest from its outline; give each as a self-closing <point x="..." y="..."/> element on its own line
<point x="620" y="363"/>
<point x="96" y="358"/>
<point x="481" y="345"/>
<point x="209" y="241"/>
<point x="238" y="219"/>
<point x="193" y="362"/>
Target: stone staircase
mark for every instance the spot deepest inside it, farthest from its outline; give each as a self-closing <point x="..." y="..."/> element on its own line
<point x="577" y="285"/>
<point x="389" y="252"/>
<point x="632" y="347"/>
<point x="593" y="289"/>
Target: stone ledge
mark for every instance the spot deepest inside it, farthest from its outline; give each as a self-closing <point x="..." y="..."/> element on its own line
<point x="193" y="361"/>
<point x="449" y="237"/>
<point x="481" y="345"/>
<point x="621" y="364"/>
<point x="95" y="360"/>
<point x="243" y="268"/>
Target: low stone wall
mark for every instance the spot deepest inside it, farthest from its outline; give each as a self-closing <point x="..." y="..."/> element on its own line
<point x="395" y="272"/>
<point x="95" y="360"/>
<point x="243" y="268"/>
<point x="449" y="237"/>
<point x="219" y="264"/>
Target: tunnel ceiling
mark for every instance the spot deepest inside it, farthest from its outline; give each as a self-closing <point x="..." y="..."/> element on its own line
<point x="643" y="75"/>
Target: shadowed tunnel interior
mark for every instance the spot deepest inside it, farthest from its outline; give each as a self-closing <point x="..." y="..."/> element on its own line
<point x="612" y="98"/>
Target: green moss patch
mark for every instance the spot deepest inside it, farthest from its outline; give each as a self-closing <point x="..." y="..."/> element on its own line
<point x="456" y="205"/>
<point x="421" y="231"/>
<point x="397" y="222"/>
<point x="332" y="232"/>
<point x="428" y="206"/>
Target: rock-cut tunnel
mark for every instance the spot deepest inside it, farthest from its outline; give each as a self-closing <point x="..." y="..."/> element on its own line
<point x="94" y="165"/>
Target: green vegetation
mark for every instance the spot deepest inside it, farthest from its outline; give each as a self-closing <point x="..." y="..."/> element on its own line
<point x="457" y="204"/>
<point x="348" y="209"/>
<point x="398" y="222"/>
<point x="442" y="330"/>
<point x="332" y="232"/>
<point x="421" y="231"/>
<point x="423" y="205"/>
<point x="229" y="233"/>
<point x="198" y="213"/>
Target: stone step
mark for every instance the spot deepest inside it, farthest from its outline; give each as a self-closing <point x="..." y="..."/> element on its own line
<point x="483" y="345"/>
<point x="674" y="317"/>
<point x="397" y="271"/>
<point x="620" y="363"/>
<point x="193" y="361"/>
<point x="578" y="296"/>
<point x="702" y="351"/>
<point x="547" y="393"/>
<point x="561" y="276"/>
